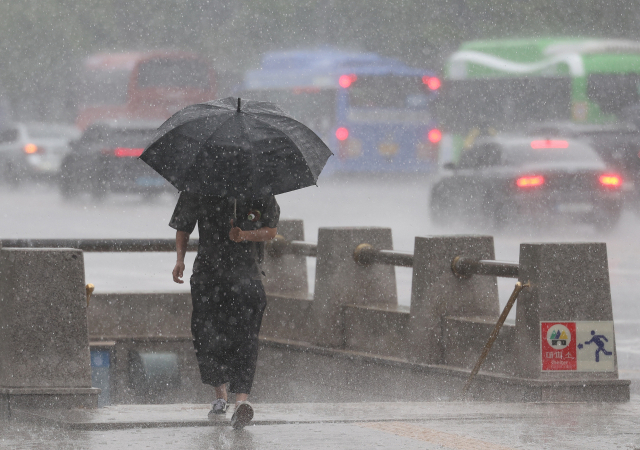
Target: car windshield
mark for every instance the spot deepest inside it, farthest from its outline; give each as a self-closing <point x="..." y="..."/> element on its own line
<point x="503" y="103"/>
<point x="613" y="92"/>
<point x="389" y="92"/>
<point x="174" y="73"/>
<point x="549" y="152"/>
<point x="104" y="87"/>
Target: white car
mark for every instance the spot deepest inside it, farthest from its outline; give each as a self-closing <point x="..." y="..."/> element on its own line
<point x="28" y="150"/>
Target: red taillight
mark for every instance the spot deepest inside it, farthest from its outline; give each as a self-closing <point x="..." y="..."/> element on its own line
<point x="611" y="180"/>
<point x="342" y="133"/>
<point x="530" y="181"/>
<point x="434" y="136"/>
<point x="346" y="80"/>
<point x="31" y="149"/>
<point x="549" y="143"/>
<point x="124" y="152"/>
<point x="432" y="83"/>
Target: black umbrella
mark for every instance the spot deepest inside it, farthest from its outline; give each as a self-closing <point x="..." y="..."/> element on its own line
<point x="227" y="149"/>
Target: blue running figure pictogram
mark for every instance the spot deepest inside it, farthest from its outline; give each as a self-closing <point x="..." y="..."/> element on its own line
<point x="597" y="339"/>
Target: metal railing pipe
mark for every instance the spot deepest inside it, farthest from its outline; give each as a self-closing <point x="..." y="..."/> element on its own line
<point x="466" y="267"/>
<point x="101" y="245"/>
<point x="366" y="255"/>
<point x="302" y="248"/>
<point x="279" y="246"/>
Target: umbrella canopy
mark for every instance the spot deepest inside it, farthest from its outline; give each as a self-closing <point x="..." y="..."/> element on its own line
<point x="230" y="149"/>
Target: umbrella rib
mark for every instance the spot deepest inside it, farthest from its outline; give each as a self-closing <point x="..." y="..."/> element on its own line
<point x="190" y="168"/>
<point x="223" y="123"/>
<point x="287" y="118"/>
<point x="220" y="126"/>
<point x="254" y="166"/>
<point x="289" y="137"/>
<point x="157" y="138"/>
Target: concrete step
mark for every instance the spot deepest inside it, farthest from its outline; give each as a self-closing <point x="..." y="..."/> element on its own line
<point x="195" y="415"/>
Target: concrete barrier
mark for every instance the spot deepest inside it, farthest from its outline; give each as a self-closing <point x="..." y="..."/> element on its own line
<point x="351" y="340"/>
<point x="341" y="281"/>
<point x="286" y="283"/>
<point x="452" y="316"/>
<point x="286" y="274"/>
<point x="44" y="343"/>
<point x="438" y="295"/>
<point x="569" y="295"/>
<point x="569" y="283"/>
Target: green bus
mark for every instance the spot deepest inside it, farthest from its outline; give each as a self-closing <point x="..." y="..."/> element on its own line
<point x="506" y="84"/>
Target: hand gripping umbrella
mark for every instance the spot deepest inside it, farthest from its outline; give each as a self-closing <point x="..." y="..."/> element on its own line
<point x="235" y="150"/>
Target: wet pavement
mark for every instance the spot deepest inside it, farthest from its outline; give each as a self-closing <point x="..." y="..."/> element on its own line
<point x="450" y="425"/>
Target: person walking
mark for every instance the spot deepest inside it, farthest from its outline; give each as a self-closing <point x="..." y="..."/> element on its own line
<point x="228" y="159"/>
<point x="226" y="289"/>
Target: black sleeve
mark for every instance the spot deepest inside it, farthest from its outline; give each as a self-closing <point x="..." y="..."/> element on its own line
<point x="185" y="216"/>
<point x="271" y="214"/>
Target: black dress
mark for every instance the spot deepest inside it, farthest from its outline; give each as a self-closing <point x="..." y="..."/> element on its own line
<point x="226" y="287"/>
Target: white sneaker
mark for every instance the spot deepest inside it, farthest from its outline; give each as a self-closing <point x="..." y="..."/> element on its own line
<point x="218" y="408"/>
<point x="242" y="415"/>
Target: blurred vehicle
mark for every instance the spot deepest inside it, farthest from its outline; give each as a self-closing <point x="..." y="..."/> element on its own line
<point x="505" y="180"/>
<point x="373" y="112"/>
<point x="28" y="150"/>
<point x="617" y="144"/>
<point x="142" y="85"/>
<point x="502" y="85"/>
<point x="105" y="159"/>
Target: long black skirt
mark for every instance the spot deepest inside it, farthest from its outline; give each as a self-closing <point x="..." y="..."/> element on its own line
<point x="225" y="324"/>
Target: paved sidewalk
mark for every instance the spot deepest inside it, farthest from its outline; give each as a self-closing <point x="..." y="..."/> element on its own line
<point x="451" y="425"/>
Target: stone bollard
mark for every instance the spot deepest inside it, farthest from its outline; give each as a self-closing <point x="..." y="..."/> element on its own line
<point x="44" y="344"/>
<point x="436" y="293"/>
<point x="287" y="274"/>
<point x="559" y="318"/>
<point x="340" y="280"/>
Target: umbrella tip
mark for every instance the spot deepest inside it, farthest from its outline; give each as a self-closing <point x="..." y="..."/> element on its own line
<point x="238" y="104"/>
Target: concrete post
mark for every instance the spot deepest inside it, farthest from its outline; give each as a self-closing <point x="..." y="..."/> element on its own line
<point x="340" y="281"/>
<point x="44" y="344"/>
<point x="287" y="274"/>
<point x="436" y="292"/>
<point x="569" y="283"/>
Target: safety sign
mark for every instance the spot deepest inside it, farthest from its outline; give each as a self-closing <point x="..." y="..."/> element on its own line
<point x="577" y="346"/>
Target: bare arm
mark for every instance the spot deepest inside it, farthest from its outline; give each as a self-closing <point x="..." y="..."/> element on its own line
<point x="261" y="235"/>
<point x="182" y="239"/>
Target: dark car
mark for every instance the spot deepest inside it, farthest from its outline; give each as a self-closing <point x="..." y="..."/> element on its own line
<point x="617" y="144"/>
<point x="105" y="159"/>
<point x="504" y="180"/>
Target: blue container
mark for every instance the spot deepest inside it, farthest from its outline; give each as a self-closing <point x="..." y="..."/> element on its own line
<point x="100" y="365"/>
